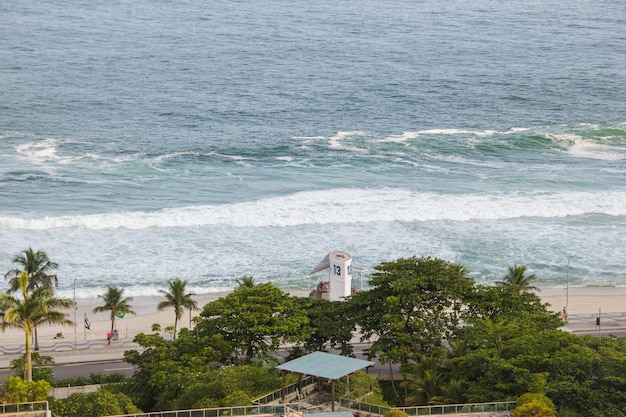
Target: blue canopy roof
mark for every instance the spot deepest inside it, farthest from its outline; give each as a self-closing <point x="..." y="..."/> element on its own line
<point x="324" y="365"/>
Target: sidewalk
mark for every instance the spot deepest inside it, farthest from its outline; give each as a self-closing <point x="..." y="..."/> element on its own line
<point x="64" y="352"/>
<point x="587" y="323"/>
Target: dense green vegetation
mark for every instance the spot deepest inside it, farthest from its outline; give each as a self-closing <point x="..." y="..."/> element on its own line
<point x="454" y="342"/>
<point x="255" y="320"/>
<point x="100" y="403"/>
<point x="92" y="379"/>
<point x="16" y="390"/>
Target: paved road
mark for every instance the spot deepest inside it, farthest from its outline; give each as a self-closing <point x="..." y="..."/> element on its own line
<point x="87" y="359"/>
<point x="72" y="370"/>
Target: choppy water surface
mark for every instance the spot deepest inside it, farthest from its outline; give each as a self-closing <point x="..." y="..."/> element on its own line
<point x="142" y="141"/>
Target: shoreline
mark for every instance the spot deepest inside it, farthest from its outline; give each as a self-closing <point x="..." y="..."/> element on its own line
<point x="581" y="300"/>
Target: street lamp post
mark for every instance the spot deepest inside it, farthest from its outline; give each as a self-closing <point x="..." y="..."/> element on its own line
<point x="75" y="308"/>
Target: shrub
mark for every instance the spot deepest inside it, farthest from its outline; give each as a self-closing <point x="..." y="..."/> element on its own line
<point x="395" y="413"/>
<point x="16" y="390"/>
<point x="94" y="404"/>
<point x="78" y="381"/>
<point x="535" y="405"/>
<point x="236" y="398"/>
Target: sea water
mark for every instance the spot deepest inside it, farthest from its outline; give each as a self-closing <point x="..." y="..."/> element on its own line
<point x="142" y="141"/>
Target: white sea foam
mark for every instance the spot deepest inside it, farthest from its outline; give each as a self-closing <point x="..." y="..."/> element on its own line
<point x="335" y="141"/>
<point x="405" y="136"/>
<point x="400" y="138"/>
<point x="47" y="152"/>
<point x="138" y="290"/>
<point x="580" y="147"/>
<point x="458" y="132"/>
<point x="39" y="151"/>
<point x="459" y="159"/>
<point x="165" y="157"/>
<point x="344" y="206"/>
<point x="309" y="137"/>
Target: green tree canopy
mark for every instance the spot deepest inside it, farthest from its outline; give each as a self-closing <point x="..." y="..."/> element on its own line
<point x="178" y="298"/>
<point x="193" y="372"/>
<point x="413" y="304"/>
<point x="255" y="320"/>
<point x="115" y="303"/>
<point x="511" y="344"/>
<point x="161" y="362"/>
<point x="330" y="326"/>
<point x="503" y="329"/>
<point x="506" y="303"/>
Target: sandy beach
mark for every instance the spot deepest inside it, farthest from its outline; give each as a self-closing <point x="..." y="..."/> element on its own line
<point x="581" y="300"/>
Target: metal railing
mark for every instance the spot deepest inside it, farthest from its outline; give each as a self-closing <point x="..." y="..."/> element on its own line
<point x="254" y="410"/>
<point x="431" y="410"/>
<point x="260" y="407"/>
<point x="289" y="389"/>
<point x="24" y="407"/>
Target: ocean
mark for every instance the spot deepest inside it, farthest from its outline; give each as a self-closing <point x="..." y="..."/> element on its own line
<point x="142" y="141"/>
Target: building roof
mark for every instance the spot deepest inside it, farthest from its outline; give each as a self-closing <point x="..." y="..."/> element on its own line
<point x="324" y="365"/>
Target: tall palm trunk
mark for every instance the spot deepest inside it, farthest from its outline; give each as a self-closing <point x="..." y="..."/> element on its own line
<point x="175" y="327"/>
<point x="28" y="365"/>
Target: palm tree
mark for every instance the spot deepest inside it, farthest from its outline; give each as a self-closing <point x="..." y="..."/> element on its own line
<point x="517" y="277"/>
<point x="454" y="392"/>
<point x="177" y="298"/>
<point x="246" y="282"/>
<point x="37" y="265"/>
<point x="424" y="382"/>
<point x="33" y="309"/>
<point x="114" y="302"/>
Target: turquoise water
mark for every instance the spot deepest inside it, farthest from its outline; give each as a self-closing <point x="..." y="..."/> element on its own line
<point x="142" y="141"/>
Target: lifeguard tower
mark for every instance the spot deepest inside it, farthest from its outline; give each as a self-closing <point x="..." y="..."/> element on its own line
<point x="339" y="284"/>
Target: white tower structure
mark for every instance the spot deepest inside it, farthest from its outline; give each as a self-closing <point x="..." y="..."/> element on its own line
<point x="340" y="274"/>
